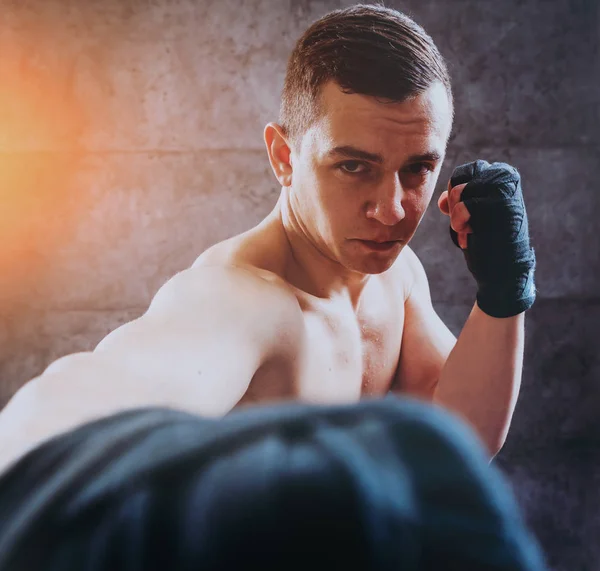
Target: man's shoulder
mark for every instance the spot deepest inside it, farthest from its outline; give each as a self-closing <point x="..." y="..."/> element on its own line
<point x="252" y="262"/>
<point x="239" y="297"/>
<point x="402" y="273"/>
<point x="234" y="304"/>
<point x="231" y="282"/>
<point x="408" y="259"/>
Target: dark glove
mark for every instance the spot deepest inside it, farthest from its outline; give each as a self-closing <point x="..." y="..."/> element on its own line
<point x="498" y="253"/>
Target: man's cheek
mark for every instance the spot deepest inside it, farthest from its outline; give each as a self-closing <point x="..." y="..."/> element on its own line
<point x="416" y="203"/>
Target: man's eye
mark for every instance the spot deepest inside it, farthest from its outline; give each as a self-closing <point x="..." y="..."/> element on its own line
<point x="420" y="168"/>
<point x="353" y="167"/>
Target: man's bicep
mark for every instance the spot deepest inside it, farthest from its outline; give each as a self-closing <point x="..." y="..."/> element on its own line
<point x="426" y="340"/>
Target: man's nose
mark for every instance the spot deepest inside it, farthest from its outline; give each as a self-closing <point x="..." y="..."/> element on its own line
<point x="386" y="207"/>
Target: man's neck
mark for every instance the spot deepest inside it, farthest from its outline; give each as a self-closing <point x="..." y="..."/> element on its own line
<point x="312" y="268"/>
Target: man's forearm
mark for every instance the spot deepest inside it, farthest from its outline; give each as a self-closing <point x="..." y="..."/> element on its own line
<point x="482" y="375"/>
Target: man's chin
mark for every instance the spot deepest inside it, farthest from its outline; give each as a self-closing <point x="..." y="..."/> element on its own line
<point x="380" y="268"/>
<point x="376" y="263"/>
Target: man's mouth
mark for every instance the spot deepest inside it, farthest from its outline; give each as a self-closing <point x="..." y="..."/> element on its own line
<point x="380" y="246"/>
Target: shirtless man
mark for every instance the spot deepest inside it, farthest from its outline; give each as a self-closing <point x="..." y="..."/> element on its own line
<point x="324" y="301"/>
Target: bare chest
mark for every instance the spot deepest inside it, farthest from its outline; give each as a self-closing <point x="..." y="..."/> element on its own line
<point x="345" y="361"/>
<point x="344" y="356"/>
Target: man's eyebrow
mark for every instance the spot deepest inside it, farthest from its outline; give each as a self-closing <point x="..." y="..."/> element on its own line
<point x="432" y="156"/>
<point x="351" y="152"/>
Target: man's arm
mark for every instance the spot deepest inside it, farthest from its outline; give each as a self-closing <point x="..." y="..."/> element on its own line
<point x="205" y="334"/>
<point x="478" y="376"/>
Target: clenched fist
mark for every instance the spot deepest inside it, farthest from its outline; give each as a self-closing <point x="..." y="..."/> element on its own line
<point x="488" y="221"/>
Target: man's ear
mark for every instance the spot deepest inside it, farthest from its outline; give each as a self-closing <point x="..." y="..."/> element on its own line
<point x="280" y="153"/>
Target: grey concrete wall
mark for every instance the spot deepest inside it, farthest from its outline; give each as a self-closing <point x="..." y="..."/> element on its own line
<point x="131" y="139"/>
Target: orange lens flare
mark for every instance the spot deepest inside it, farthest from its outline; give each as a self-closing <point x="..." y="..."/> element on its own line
<point x="40" y="126"/>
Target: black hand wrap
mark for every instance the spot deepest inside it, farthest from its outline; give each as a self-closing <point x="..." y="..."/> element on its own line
<point x="498" y="253"/>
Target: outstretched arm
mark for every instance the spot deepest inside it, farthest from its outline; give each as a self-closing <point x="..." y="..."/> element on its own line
<point x="205" y="334"/>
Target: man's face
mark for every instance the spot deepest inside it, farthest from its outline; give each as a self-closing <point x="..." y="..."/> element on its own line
<point x="365" y="172"/>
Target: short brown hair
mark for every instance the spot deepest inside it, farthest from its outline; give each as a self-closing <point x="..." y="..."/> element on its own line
<point x="365" y="49"/>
